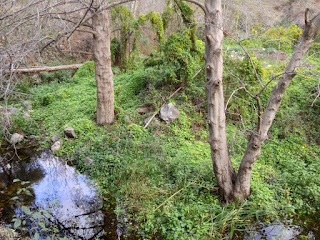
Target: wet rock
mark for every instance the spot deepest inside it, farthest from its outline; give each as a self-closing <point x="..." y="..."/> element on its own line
<point x="27" y="105"/>
<point x="16" y="138"/>
<point x="169" y="113"/>
<point x="69" y="132"/>
<point x="55" y="138"/>
<point x="153" y="122"/>
<point x="56" y="146"/>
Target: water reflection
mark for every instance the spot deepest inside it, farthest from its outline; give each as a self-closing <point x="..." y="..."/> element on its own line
<point x="69" y="197"/>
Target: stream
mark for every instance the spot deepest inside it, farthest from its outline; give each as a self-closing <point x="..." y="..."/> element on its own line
<point x="51" y="197"/>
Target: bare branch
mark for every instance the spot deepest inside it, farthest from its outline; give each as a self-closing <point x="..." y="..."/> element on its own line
<point x="200" y="4"/>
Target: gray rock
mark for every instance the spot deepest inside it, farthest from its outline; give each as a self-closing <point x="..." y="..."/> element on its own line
<point x="144" y="110"/>
<point x="56" y="146"/>
<point x="115" y="71"/>
<point x="16" y="138"/>
<point x="32" y="137"/>
<point x="89" y="161"/>
<point x="69" y="132"/>
<point x="153" y="122"/>
<point x="169" y="113"/>
<point x="27" y="105"/>
<point x="55" y="138"/>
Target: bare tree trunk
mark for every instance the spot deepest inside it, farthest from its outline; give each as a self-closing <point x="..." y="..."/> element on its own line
<point x="242" y="185"/>
<point x="236" y="186"/>
<point x="222" y="166"/>
<point x="103" y="71"/>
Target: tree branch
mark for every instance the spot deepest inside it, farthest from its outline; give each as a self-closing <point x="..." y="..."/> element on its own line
<point x="200" y="4"/>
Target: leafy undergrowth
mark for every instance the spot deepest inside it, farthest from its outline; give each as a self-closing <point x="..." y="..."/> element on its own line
<point x="163" y="173"/>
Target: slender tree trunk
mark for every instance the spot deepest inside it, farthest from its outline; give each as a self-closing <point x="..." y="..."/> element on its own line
<point x="242" y="184"/>
<point x="103" y="71"/>
<point x="224" y="172"/>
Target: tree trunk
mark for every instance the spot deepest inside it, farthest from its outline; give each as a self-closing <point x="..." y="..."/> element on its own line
<point x="236" y="186"/>
<point x="103" y="71"/>
<point x="242" y="184"/>
<point x="222" y="166"/>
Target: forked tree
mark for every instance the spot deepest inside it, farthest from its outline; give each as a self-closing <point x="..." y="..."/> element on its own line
<point x="235" y="185"/>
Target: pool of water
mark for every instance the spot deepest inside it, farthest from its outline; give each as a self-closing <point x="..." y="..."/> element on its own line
<point x="61" y="201"/>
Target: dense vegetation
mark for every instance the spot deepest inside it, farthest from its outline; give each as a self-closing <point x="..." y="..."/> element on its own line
<point x="163" y="174"/>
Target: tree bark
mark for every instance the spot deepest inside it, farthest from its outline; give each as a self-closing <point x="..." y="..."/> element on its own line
<point x="103" y="71"/>
<point x="222" y="166"/>
<point x="242" y="184"/>
<point x="236" y="186"/>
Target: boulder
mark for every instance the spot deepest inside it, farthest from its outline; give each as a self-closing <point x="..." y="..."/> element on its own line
<point x="56" y="146"/>
<point x="69" y="132"/>
<point x="27" y="105"/>
<point x="55" y="138"/>
<point x="16" y="138"/>
<point x="169" y="113"/>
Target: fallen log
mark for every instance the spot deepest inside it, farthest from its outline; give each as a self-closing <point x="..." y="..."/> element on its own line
<point x="43" y="69"/>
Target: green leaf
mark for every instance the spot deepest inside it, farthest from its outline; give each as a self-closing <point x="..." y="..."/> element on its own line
<point x="26" y="210"/>
<point x="17" y="224"/>
<point x="14" y="198"/>
<point x="42" y="224"/>
<point x="36" y="236"/>
<point x="48" y="238"/>
<point x="16" y="180"/>
<point x="37" y="215"/>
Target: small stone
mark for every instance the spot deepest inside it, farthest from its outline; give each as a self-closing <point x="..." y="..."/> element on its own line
<point x="55" y="138"/>
<point x="169" y="113"/>
<point x="56" y="146"/>
<point x="27" y="105"/>
<point x="144" y="110"/>
<point x="32" y="137"/>
<point x="89" y="161"/>
<point x="69" y="132"/>
<point x="115" y="71"/>
<point x="16" y="138"/>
